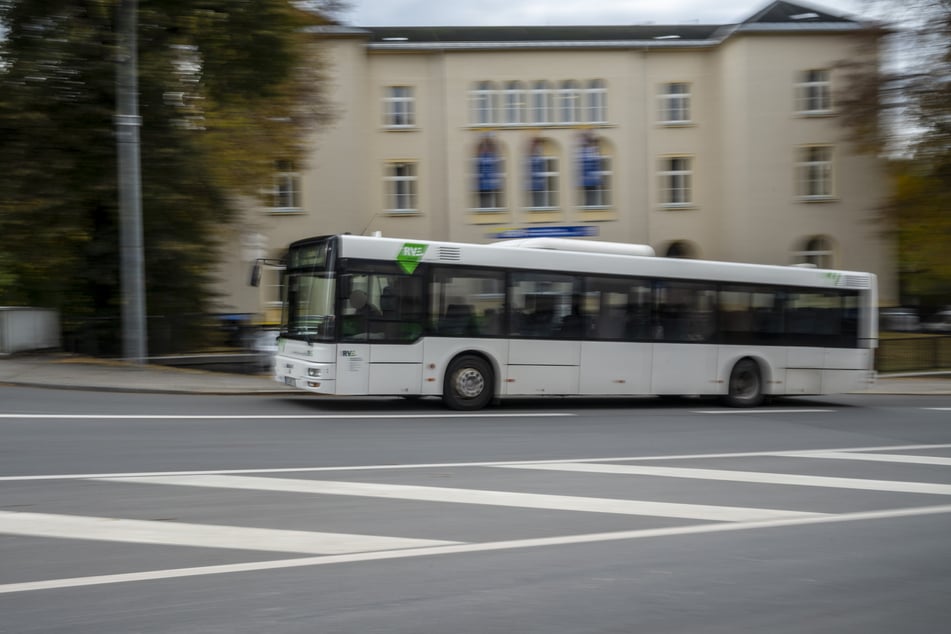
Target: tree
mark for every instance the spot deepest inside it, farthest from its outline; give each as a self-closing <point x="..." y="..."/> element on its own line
<point x="226" y="87"/>
<point x="903" y="110"/>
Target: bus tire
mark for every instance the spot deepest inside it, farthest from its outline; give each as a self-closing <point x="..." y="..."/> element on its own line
<point x="469" y="384"/>
<point x="745" y="388"/>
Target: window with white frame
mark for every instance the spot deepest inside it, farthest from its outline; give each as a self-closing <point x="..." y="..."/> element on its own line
<point x="484" y="103"/>
<point x="400" y="187"/>
<point x="596" y="101"/>
<point x="676" y="182"/>
<point x="399" y="107"/>
<point x="814" y="92"/>
<point x="514" y="103"/>
<point x="594" y="173"/>
<point x="542" y="102"/>
<point x="675" y="103"/>
<point x="569" y="102"/>
<point x="488" y="175"/>
<point x="814" y="172"/>
<point x="816" y="250"/>
<point x="286" y="193"/>
<point x="542" y="176"/>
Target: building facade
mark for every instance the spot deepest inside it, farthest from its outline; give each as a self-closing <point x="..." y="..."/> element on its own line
<point x="712" y="141"/>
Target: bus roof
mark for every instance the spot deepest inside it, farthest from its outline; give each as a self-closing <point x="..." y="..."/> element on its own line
<point x="590" y="257"/>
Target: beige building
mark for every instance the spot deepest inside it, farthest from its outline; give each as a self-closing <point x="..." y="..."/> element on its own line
<point x="711" y="141"/>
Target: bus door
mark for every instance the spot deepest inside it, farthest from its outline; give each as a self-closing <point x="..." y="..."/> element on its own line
<point x="380" y="349"/>
<point x="685" y="348"/>
<point x="544" y="354"/>
<point x="616" y="353"/>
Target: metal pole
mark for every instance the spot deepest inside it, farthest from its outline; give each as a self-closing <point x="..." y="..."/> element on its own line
<point x="131" y="251"/>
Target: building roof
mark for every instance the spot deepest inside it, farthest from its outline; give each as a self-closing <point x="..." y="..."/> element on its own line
<point x="776" y="17"/>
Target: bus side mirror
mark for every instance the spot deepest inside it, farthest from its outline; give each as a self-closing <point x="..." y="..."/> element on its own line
<point x="255" y="280"/>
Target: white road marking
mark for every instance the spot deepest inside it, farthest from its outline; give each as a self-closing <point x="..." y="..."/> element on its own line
<point x="591" y="538"/>
<point x="872" y="457"/>
<point x="200" y="535"/>
<point x="275" y="416"/>
<point x="938" y="409"/>
<point x="474" y="496"/>
<point x="452" y="465"/>
<point x="762" y="411"/>
<point x="747" y="476"/>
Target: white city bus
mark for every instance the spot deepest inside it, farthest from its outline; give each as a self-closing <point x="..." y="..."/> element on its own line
<point x="473" y="323"/>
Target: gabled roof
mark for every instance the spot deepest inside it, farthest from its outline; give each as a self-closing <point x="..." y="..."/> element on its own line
<point x="539" y="33"/>
<point x="777" y="17"/>
<point x="790" y="13"/>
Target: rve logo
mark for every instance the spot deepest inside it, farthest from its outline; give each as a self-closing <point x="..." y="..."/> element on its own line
<point x="409" y="256"/>
<point x="348" y="353"/>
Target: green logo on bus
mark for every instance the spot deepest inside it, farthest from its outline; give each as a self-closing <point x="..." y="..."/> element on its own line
<point x="410" y="255"/>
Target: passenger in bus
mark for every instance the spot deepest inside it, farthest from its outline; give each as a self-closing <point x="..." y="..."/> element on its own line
<point x="575" y="324"/>
<point x="540" y="321"/>
<point x="361" y="306"/>
<point x="357" y="323"/>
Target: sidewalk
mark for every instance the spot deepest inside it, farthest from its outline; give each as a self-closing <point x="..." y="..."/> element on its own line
<point x="65" y="371"/>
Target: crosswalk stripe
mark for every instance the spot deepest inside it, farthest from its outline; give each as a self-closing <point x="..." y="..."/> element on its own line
<point x="200" y="535"/>
<point x="564" y="540"/>
<point x="745" y="476"/>
<point x="872" y="457"/>
<point x="474" y="496"/>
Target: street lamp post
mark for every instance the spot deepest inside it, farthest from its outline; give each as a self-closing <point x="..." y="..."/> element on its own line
<point x="131" y="250"/>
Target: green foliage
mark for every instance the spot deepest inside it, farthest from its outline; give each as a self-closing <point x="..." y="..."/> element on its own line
<point x="904" y="110"/>
<point x="225" y="88"/>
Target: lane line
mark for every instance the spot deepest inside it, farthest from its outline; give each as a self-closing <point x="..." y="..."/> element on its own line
<point x="873" y="457"/>
<point x="938" y="409"/>
<point x="475" y="496"/>
<point x="747" y="476"/>
<point x="762" y="411"/>
<point x="154" y="575"/>
<point x="451" y="465"/>
<point x="200" y="535"/>
<point x="272" y="416"/>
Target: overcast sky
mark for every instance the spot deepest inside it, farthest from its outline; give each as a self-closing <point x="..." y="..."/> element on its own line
<point x="570" y="12"/>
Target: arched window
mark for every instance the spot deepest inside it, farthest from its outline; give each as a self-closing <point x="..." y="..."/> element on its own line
<point x="596" y="102"/>
<point x="488" y="175"/>
<point x="594" y="171"/>
<point x="681" y="249"/>
<point x="542" y="175"/>
<point x="816" y="250"/>
<point x="514" y="103"/>
<point x="569" y="102"/>
<point x="542" y="102"/>
<point x="483" y="100"/>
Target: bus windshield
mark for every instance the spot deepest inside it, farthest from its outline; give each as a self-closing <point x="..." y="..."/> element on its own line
<point x="309" y="282"/>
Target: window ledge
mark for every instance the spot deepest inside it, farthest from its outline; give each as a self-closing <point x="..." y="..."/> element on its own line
<point x="678" y="124"/>
<point x="580" y="125"/>
<point x="816" y="114"/>
<point x="401" y="212"/>
<point x="284" y="211"/>
<point x="400" y="128"/>
<point x="678" y="207"/>
<point x="817" y="199"/>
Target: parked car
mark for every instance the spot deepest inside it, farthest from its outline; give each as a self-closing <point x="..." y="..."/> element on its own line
<point x="940" y="322"/>
<point x="899" y="319"/>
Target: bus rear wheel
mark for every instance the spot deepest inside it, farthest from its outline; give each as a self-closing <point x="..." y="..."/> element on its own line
<point x="469" y="383"/>
<point x="746" y="385"/>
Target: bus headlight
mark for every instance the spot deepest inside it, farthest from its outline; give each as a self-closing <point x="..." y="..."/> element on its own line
<point x="314" y="372"/>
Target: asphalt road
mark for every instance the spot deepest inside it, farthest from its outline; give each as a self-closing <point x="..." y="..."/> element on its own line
<point x="171" y="513"/>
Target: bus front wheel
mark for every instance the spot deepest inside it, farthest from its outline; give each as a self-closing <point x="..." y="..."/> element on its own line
<point x="469" y="383"/>
<point x="746" y="385"/>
